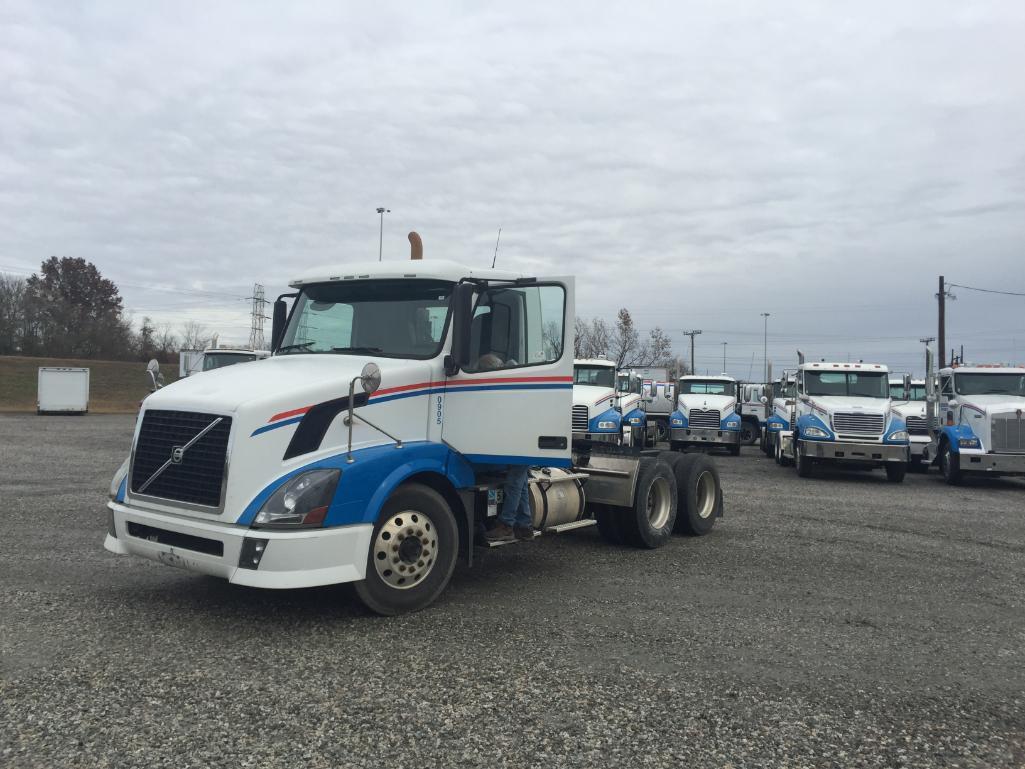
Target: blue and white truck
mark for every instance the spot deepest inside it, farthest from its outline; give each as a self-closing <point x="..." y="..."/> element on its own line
<point x="372" y="445"/>
<point x="980" y="425"/>
<point x="843" y="417"/>
<point x="609" y="405"/>
<point x="706" y="414"/>
<point x="908" y="397"/>
<point x="782" y="416"/>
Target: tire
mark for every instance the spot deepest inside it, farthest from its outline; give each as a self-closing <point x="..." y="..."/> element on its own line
<point x="895" y="471"/>
<point x="661" y="430"/>
<point x="950" y="466"/>
<point x="699" y="493"/>
<point x="610" y="523"/>
<point x="803" y="465"/>
<point x="649" y="522"/>
<point x="733" y="450"/>
<point x="763" y="443"/>
<point x="410" y="514"/>
<point x="748" y="433"/>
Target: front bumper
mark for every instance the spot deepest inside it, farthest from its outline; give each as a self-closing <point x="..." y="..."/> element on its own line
<point x="605" y="437"/>
<point x="849" y="451"/>
<point x="704" y="435"/>
<point x="290" y="559"/>
<point x="998" y="464"/>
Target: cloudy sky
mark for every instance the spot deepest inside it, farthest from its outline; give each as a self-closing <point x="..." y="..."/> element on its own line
<point x="698" y="163"/>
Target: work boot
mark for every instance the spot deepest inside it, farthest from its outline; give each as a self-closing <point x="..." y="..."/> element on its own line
<point x="523" y="533"/>
<point x="500" y="532"/>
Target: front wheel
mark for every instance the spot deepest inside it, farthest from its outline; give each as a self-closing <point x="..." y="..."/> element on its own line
<point x="734" y="450"/>
<point x="895" y="472"/>
<point x="412" y="553"/>
<point x="748" y="433"/>
<point x="804" y="465"/>
<point x="950" y="466"/>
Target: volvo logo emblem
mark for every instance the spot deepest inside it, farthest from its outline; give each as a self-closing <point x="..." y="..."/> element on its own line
<point x="177" y="454"/>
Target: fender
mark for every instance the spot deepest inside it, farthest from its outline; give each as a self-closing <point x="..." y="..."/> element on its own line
<point x="369" y="481"/>
<point x="776" y="422"/>
<point x="637" y="417"/>
<point x="811" y="420"/>
<point x="731" y="421"/>
<point x="677" y="419"/>
<point x="896" y="423"/>
<point x="957" y="433"/>
<point x="609" y="415"/>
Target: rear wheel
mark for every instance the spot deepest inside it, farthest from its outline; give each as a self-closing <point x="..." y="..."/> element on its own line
<point x="895" y="471"/>
<point x="950" y="466"/>
<point x="748" y="433"/>
<point x="699" y="493"/>
<point x="413" y="552"/>
<point x="649" y="523"/>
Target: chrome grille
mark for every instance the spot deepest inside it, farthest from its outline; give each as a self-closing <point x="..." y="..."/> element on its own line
<point x="580" y="419"/>
<point x="859" y="424"/>
<point x="703" y="419"/>
<point x="198" y="478"/>
<point x="1008" y="433"/>
<point x="917" y="425"/>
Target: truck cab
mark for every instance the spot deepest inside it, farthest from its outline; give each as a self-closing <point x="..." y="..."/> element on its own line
<point x="608" y="404"/>
<point x="780" y="401"/>
<point x="844" y="417"/>
<point x="373" y="445"/>
<point x="908" y="396"/>
<point x="981" y="421"/>
<point x="753" y="411"/>
<point x="219" y="357"/>
<point x="706" y="413"/>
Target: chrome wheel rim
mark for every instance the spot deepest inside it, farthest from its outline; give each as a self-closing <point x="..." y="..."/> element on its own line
<point x="405" y="549"/>
<point x="705" y="495"/>
<point x="658" y="503"/>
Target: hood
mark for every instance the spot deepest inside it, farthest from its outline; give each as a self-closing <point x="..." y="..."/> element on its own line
<point x="908" y="408"/>
<point x="628" y="402"/>
<point x="280" y="383"/>
<point x="993" y="404"/>
<point x="833" y="404"/>
<point x="593" y="396"/>
<point x="723" y="403"/>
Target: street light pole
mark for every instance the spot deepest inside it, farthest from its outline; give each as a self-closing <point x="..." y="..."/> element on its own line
<point x="380" y="243"/>
<point x="692" y="334"/>
<point x="765" y="348"/>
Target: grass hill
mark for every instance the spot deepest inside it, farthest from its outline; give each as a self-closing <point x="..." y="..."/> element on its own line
<point x="114" y="386"/>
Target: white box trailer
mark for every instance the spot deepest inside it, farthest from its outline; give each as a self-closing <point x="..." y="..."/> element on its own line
<point x="62" y="391"/>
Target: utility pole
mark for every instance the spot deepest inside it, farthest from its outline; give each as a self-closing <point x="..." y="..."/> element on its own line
<point x="724" y="356"/>
<point x="380" y="243"/>
<point x="692" y="334"/>
<point x="765" y="347"/>
<point x="256" y="341"/>
<point x="942" y="331"/>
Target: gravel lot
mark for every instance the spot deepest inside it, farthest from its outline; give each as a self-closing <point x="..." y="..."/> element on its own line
<point x="837" y="621"/>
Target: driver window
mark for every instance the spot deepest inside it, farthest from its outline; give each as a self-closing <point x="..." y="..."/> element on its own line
<point x="947" y="387"/>
<point x="517" y="327"/>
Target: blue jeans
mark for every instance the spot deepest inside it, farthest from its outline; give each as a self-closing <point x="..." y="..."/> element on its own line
<point x="516" y="504"/>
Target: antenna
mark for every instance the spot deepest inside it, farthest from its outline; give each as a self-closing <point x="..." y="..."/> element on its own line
<point x="497" y="240"/>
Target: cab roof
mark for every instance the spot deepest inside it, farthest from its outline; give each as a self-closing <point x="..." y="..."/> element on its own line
<point x="430" y="269"/>
<point x="982" y="368"/>
<point x="597" y="362"/>
<point x="828" y="366"/>
<point x="715" y="378"/>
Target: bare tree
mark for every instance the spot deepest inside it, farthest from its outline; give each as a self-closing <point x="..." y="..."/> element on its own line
<point x="12" y="314"/>
<point x="625" y="339"/>
<point x="194" y="336"/>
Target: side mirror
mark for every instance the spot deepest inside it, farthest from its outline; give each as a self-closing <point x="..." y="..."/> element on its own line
<point x="278" y="324"/>
<point x="907" y="387"/>
<point x="370" y="378"/>
<point x="763" y="399"/>
<point x="462" y="317"/>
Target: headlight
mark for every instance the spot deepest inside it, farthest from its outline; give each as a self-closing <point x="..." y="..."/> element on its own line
<point x="898" y="435"/>
<point x="677" y="421"/>
<point x="120" y="475"/>
<point x="606" y="425"/>
<point x="815" y="432"/>
<point x="968" y="443"/>
<point x="635" y="420"/>
<point x="300" y="501"/>
<point x="732" y="425"/>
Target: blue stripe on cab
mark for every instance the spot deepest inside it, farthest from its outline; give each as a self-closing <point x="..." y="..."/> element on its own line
<point x="276" y="425"/>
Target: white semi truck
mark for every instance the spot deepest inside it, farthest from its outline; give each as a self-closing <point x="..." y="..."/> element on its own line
<point x="608" y="405"/>
<point x="372" y="446"/>
<point x="980" y="425"/>
<point x="782" y="414"/>
<point x="843" y="417"/>
<point x="753" y="410"/>
<point x="908" y="396"/>
<point x="706" y="414"/>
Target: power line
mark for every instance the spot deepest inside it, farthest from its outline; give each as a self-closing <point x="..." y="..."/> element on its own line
<point x="986" y="290"/>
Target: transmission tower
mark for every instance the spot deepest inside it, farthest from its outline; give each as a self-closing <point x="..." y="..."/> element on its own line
<point x="256" y="341"/>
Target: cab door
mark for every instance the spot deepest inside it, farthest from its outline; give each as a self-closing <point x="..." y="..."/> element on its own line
<point x="512" y="402"/>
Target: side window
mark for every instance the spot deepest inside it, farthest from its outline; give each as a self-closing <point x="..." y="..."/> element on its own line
<point x="947" y="387"/>
<point x="517" y="327"/>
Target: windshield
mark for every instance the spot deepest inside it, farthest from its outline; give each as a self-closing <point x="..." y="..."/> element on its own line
<point x="390" y="318"/>
<point x="848" y="383"/>
<point x="625" y="383"/>
<point x="212" y="360"/>
<point x="990" y="384"/>
<point x="917" y="392"/>
<point x="707" y="387"/>
<point x="594" y="375"/>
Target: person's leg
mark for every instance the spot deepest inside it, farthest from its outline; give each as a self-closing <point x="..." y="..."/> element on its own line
<point x="513" y="492"/>
<point x="523" y="516"/>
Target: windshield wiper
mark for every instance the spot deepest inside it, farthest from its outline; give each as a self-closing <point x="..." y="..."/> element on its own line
<point x="366" y="350"/>
<point x="300" y="346"/>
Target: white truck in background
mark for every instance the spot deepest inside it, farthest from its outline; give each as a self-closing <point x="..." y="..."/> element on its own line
<point x="980" y="425"/>
<point x="609" y="405"/>
<point x="843" y="417"/>
<point x="780" y="401"/>
<point x="753" y="410"/>
<point x="908" y="396"/>
<point x="197" y="361"/>
<point x="372" y="446"/>
<point x="706" y="414"/>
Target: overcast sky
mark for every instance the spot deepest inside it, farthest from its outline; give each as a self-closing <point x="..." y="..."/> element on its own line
<point x="698" y="163"/>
